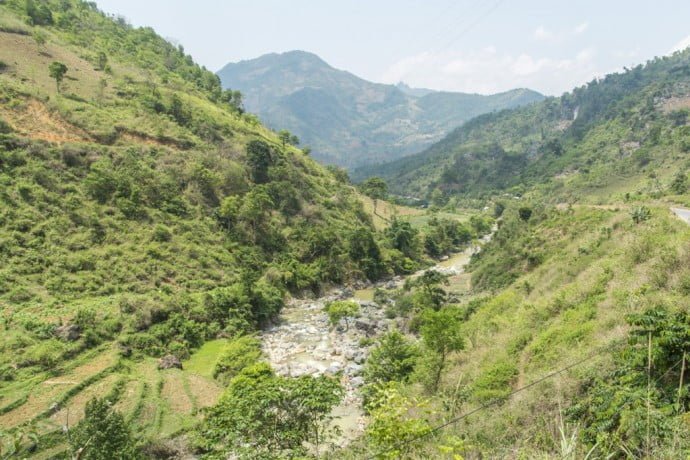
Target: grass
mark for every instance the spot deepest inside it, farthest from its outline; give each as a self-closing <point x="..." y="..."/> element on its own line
<point x="567" y="311"/>
<point x="204" y="359"/>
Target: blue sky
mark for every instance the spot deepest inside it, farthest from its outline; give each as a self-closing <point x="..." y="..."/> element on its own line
<point x="480" y="46"/>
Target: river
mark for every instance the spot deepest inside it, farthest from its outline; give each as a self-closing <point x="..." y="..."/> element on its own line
<point x="303" y="343"/>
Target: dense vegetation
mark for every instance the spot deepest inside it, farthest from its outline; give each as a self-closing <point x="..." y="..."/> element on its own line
<point x="625" y="127"/>
<point x="349" y="121"/>
<point x="144" y="214"/>
<point x="149" y="226"/>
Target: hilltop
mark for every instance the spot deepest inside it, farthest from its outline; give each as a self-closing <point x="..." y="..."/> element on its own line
<point x="350" y="121"/>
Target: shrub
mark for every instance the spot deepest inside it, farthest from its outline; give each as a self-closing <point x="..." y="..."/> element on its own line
<point x="237" y="355"/>
<point x="495" y="383"/>
<point x="161" y="234"/>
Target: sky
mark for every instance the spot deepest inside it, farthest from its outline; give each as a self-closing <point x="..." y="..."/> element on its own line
<point x="481" y="46"/>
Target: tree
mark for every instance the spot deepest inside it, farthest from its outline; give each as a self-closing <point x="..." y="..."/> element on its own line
<point x="39" y="15"/>
<point x="441" y="335"/>
<point x="366" y="253"/>
<point x="262" y="415"/>
<point x="259" y="158"/>
<point x="102" y="60"/>
<point x="403" y="237"/>
<point x="680" y="183"/>
<point x="393" y="359"/>
<point x="57" y="71"/>
<point x="375" y="188"/>
<point x="341" y="309"/>
<point x="287" y="138"/>
<point x="103" y="434"/>
<point x="430" y="281"/>
<point x="393" y="431"/>
<point x="525" y="213"/>
<point x="499" y="207"/>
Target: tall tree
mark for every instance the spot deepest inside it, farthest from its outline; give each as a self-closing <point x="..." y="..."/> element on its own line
<point x="57" y="71"/>
<point x="375" y="188"/>
<point x="441" y="335"/>
<point x="103" y="434"/>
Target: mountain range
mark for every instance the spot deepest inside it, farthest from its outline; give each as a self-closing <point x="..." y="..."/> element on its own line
<point x="350" y="121"/>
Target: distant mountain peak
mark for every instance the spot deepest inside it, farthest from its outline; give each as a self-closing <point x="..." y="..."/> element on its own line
<point x="416" y="92"/>
<point x="347" y="120"/>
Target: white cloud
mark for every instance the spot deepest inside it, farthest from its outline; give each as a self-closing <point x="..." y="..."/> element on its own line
<point x="581" y="28"/>
<point x="681" y="45"/>
<point x="542" y="34"/>
<point x="489" y="71"/>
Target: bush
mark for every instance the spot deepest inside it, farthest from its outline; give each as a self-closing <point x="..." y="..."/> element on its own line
<point x="161" y="234"/>
<point x="237" y="355"/>
<point x="495" y="383"/>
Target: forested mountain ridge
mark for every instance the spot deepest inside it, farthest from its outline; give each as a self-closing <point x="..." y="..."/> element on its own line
<point x="347" y="120"/>
<point x="616" y="128"/>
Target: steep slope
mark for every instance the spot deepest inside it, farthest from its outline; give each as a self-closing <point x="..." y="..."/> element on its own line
<point x="350" y="121"/>
<point x="617" y="129"/>
<point x="141" y="215"/>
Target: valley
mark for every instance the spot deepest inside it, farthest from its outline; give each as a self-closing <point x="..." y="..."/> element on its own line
<point x="282" y="260"/>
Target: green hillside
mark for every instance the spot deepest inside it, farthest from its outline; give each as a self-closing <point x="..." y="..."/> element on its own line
<point x="151" y="232"/>
<point x="624" y="133"/>
<point x="571" y="340"/>
<point x="144" y="214"/>
<point x="349" y="121"/>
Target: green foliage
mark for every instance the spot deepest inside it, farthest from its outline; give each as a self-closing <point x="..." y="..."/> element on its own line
<point x="525" y="213"/>
<point x="286" y="138"/>
<point x="403" y="237"/>
<point x="57" y="71"/>
<point x="397" y="427"/>
<point x="495" y="383"/>
<point x="640" y="214"/>
<point x="392" y="360"/>
<point x="259" y="158"/>
<point x="617" y="409"/>
<point x="443" y="236"/>
<point x="680" y="183"/>
<point x="237" y="355"/>
<point x="39" y="14"/>
<point x="339" y="310"/>
<point x="262" y="415"/>
<point x="17" y="444"/>
<point x="441" y="335"/>
<point x="375" y="188"/>
<point x="102" y="434"/>
<point x="364" y="249"/>
<point x="430" y="283"/>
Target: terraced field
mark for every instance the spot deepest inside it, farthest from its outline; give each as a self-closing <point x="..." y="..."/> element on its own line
<point x="159" y="403"/>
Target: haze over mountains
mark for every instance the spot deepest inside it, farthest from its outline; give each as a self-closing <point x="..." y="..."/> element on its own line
<point x="347" y="120"/>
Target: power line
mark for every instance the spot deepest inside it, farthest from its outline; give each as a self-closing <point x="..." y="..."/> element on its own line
<point x="471" y="25"/>
<point x="498" y="400"/>
<point x="487" y="405"/>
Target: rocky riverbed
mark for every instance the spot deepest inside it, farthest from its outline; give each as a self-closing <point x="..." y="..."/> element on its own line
<point x="303" y="343"/>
